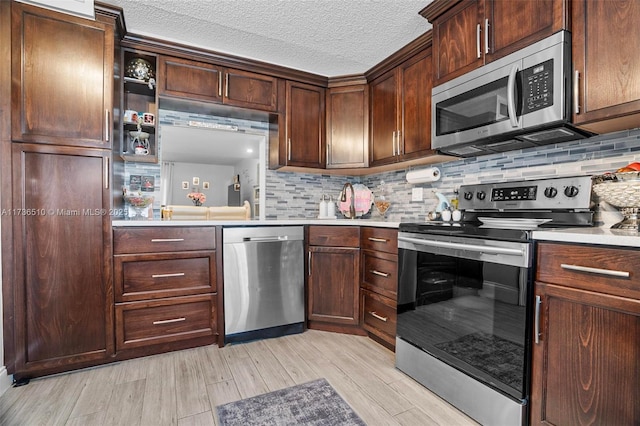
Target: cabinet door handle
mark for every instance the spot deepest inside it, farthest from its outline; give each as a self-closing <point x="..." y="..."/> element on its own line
<point x="166" y="240"/>
<point x="609" y="272"/>
<point x="378" y="240"/>
<point x="289" y="149"/>
<point x="478" y="30"/>
<point x="169" y="321"/>
<point x="106" y="172"/>
<point x="486" y="35"/>
<point x="373" y="314"/>
<point x="576" y="92"/>
<point x="398" y="138"/>
<point x="536" y="324"/>
<point x="226" y="85"/>
<point x="381" y="274"/>
<point x="393" y="144"/>
<point x="176" y="274"/>
<point x="220" y="84"/>
<point x="309" y="263"/>
<point x="106" y="125"/>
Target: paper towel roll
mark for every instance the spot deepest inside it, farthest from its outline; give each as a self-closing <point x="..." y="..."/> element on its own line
<point x="431" y="174"/>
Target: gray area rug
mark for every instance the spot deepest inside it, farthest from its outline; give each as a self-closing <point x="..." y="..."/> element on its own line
<point x="312" y="403"/>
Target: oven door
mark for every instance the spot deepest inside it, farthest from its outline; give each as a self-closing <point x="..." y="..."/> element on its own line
<point x="467" y="302"/>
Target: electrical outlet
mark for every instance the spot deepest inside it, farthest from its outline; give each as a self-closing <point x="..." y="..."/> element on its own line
<point x="417" y="194"/>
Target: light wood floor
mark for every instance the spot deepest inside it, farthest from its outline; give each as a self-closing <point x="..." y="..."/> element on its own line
<point x="183" y="388"/>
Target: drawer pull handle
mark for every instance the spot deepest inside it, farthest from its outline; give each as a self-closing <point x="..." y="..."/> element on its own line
<point x="177" y="274"/>
<point x="169" y="321"/>
<point x="373" y="314"/>
<point x="609" y="272"/>
<point x="378" y="240"/>
<point x="381" y="274"/>
<point x="166" y="240"/>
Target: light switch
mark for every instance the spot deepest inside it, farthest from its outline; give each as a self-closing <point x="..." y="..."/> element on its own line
<point x="417" y="194"/>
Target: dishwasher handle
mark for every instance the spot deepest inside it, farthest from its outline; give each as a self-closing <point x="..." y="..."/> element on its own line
<point x="267" y="239"/>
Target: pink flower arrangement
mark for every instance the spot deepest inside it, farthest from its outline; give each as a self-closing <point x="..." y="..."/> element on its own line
<point x="198" y="198"/>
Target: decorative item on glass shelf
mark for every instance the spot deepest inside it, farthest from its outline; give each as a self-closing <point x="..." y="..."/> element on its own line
<point x="142" y="70"/>
<point x="138" y="202"/>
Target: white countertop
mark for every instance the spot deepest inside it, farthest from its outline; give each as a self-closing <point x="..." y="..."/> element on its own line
<point x="274" y="222"/>
<point x="602" y="235"/>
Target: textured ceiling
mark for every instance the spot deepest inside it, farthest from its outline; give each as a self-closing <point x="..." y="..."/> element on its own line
<point x="325" y="37"/>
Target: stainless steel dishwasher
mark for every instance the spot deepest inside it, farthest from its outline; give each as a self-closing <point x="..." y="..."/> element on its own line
<point x="263" y="282"/>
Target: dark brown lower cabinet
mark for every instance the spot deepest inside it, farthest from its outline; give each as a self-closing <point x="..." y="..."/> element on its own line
<point x="63" y="294"/>
<point x="379" y="283"/>
<point x="166" y="293"/>
<point x="333" y="278"/>
<point x="586" y="364"/>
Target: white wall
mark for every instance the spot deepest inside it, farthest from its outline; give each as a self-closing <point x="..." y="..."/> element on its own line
<point x="219" y="178"/>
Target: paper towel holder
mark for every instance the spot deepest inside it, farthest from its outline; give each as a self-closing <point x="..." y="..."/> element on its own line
<point x="431" y="174"/>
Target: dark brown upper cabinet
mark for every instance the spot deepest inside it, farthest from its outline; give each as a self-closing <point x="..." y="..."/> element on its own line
<point x="347" y="126"/>
<point x="605" y="59"/>
<point x="204" y="81"/>
<point x="470" y="33"/>
<point x="401" y="111"/>
<point x="62" y="90"/>
<point x="305" y="125"/>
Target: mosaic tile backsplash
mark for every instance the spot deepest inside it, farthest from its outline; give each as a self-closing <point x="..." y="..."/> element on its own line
<point x="297" y="195"/>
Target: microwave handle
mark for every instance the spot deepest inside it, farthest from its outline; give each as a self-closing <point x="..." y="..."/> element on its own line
<point x="511" y="99"/>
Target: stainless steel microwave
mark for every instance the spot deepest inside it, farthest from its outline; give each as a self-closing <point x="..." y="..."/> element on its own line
<point x="518" y="101"/>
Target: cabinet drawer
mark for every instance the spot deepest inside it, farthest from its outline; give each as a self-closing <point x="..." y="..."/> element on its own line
<point x="379" y="239"/>
<point x="378" y="314"/>
<point x="380" y="273"/>
<point x="153" y="276"/>
<point x="607" y="270"/>
<point x="164" y="321"/>
<point x="163" y="239"/>
<point x="334" y="236"/>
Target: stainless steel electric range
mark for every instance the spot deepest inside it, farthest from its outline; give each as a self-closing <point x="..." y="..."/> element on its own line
<point x="465" y="293"/>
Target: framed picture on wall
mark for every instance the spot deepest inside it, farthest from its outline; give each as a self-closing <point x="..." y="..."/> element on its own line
<point x="185" y="184"/>
<point x="196" y="181"/>
<point x="205" y="185"/>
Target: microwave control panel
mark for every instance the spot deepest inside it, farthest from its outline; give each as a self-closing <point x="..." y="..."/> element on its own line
<point x="537" y="83"/>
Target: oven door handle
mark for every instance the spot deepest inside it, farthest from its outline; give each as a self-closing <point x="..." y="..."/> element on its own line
<point x="463" y="246"/>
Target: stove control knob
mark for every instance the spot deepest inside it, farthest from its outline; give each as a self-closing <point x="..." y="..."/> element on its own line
<point x="468" y="195"/>
<point x="481" y="195"/>
<point x="550" y="192"/>
<point x="571" y="191"/>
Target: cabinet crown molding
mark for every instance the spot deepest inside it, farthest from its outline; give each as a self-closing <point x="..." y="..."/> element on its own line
<point x="437" y="8"/>
<point x="416" y="46"/>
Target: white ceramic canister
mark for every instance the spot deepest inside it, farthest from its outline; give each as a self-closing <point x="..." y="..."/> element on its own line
<point x="323" y="206"/>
